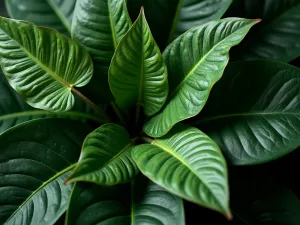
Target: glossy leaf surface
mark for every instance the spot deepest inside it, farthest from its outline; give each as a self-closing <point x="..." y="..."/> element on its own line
<point x="138" y="74"/>
<point x="56" y="14"/>
<point x="42" y="65"/>
<point x="253" y="112"/>
<point x="35" y="158"/>
<point x="106" y="157"/>
<point x="99" y="25"/>
<point x="196" y="61"/>
<point x="149" y="204"/>
<point x="188" y="163"/>
<point x="277" y="37"/>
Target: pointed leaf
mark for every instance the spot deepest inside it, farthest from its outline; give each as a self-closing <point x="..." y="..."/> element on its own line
<point x="138" y="75"/>
<point x="56" y="14"/>
<point x="188" y="163"/>
<point x="196" y="61"/>
<point x="106" y="157"/>
<point x="150" y="204"/>
<point x="257" y="127"/>
<point x="42" y="65"/>
<point x="35" y="158"/>
<point x="277" y="37"/>
<point x="99" y="25"/>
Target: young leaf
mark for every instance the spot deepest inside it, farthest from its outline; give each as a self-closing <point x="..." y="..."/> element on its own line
<point x="149" y="204"/>
<point x="188" y="163"/>
<point x="56" y="14"/>
<point x="196" y="61"/>
<point x="106" y="157"/>
<point x="35" y="158"/>
<point x="42" y="65"/>
<point x="253" y="113"/>
<point x="137" y="74"/>
<point x="99" y="25"/>
<point x="277" y="37"/>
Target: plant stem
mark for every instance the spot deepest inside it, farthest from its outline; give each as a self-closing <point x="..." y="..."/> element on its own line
<point x="147" y="139"/>
<point x="118" y="113"/>
<point x="98" y="110"/>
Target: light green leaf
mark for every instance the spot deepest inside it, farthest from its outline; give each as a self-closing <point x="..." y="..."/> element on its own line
<point x="106" y="157"/>
<point x="137" y="74"/>
<point x="42" y="65"/>
<point x="149" y="204"/>
<point x="35" y="158"/>
<point x="253" y="112"/>
<point x="196" y="61"/>
<point x="189" y="164"/>
<point x="56" y="14"/>
<point x="277" y="37"/>
<point x="99" y="25"/>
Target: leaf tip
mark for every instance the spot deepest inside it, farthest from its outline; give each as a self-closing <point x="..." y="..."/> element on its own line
<point x="229" y="216"/>
<point x="257" y="20"/>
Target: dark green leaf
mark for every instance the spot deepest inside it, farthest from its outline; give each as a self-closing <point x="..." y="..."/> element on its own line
<point x="56" y="14"/>
<point x="138" y="74"/>
<point x="196" y="61"/>
<point x="42" y="65"/>
<point x="99" y="25"/>
<point x="149" y="204"/>
<point x="187" y="163"/>
<point x="106" y="157"/>
<point x="277" y="37"/>
<point x="35" y="159"/>
<point x="253" y="112"/>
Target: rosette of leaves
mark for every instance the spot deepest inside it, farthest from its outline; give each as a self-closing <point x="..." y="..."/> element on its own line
<point x="109" y="127"/>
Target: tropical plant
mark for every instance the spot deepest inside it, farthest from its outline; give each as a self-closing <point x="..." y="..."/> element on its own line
<point x="113" y="122"/>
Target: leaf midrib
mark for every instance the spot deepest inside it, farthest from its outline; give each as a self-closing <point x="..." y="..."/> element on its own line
<point x="72" y="166"/>
<point x="175" y="21"/>
<point x="113" y="32"/>
<point x="219" y="117"/>
<point x="178" y="157"/>
<point x="202" y="59"/>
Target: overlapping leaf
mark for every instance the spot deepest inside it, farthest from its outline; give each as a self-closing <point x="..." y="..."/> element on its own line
<point x="35" y="158"/>
<point x="196" y="61"/>
<point x="188" y="163"/>
<point x="99" y="25"/>
<point x="149" y="204"/>
<point x="253" y="113"/>
<point x="106" y="157"/>
<point x="56" y="14"/>
<point x="277" y="37"/>
<point x="138" y="74"/>
<point x="42" y="65"/>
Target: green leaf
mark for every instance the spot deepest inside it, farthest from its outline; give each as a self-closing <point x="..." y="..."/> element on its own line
<point x="99" y="25"/>
<point x="106" y="157"/>
<point x="170" y="18"/>
<point x="253" y="112"/>
<point x="149" y="204"/>
<point x="42" y="65"/>
<point x="35" y="159"/>
<point x="56" y="14"/>
<point x="196" y="61"/>
<point x="188" y="163"/>
<point x="277" y="37"/>
<point x="138" y="74"/>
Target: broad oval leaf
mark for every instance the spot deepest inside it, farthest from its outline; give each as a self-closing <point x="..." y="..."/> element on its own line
<point x="42" y="65"/>
<point x="138" y="74"/>
<point x="35" y="159"/>
<point x="148" y="204"/>
<point x="188" y="163"/>
<point x="277" y="37"/>
<point x="196" y="61"/>
<point x="106" y="157"/>
<point x="253" y="112"/>
<point x="56" y="14"/>
<point x="99" y="25"/>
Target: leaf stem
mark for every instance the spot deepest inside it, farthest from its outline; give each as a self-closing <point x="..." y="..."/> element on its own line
<point x="137" y="113"/>
<point x="98" y="110"/>
<point x="147" y="139"/>
<point x="118" y="113"/>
